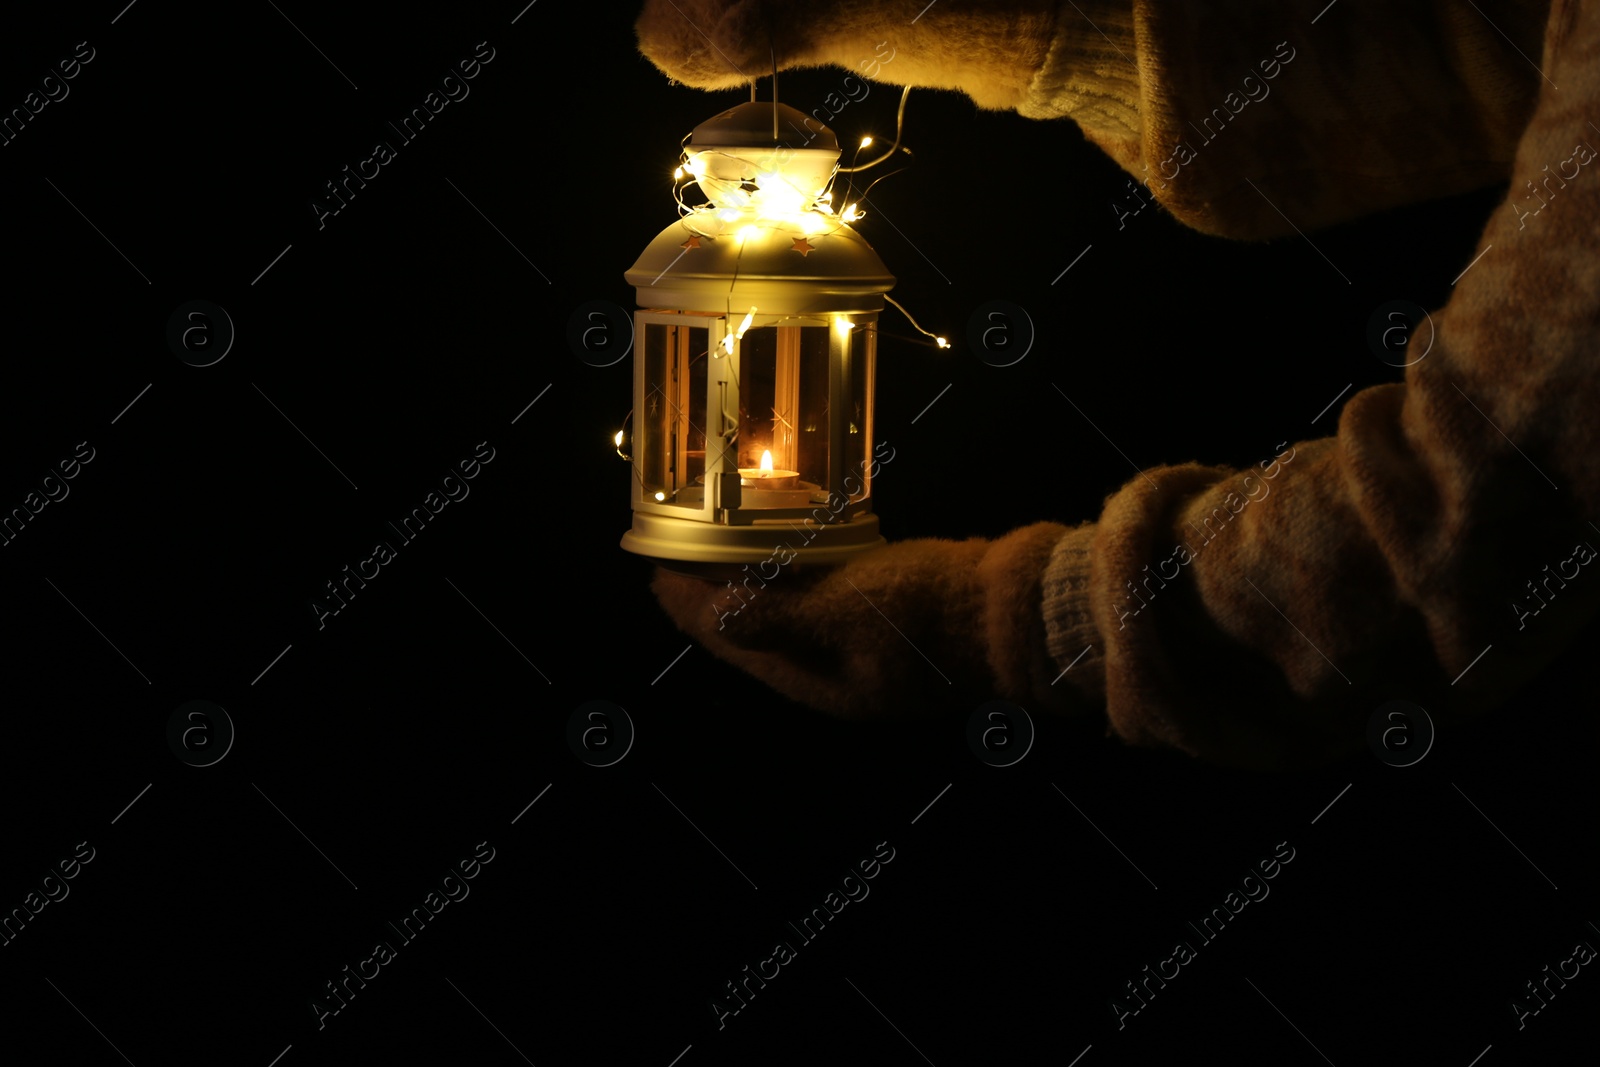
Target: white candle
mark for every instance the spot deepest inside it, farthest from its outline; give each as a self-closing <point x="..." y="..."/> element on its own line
<point x="766" y="477"/>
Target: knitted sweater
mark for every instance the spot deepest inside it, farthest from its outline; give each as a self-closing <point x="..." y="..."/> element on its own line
<point x="1448" y="519"/>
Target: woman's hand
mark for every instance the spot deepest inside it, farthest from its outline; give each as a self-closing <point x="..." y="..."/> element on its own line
<point x="720" y="44"/>
<point x="912" y="626"/>
<point x="990" y="53"/>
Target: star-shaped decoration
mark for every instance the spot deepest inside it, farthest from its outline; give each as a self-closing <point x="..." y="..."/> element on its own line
<point x="801" y="245"/>
<point x="692" y="242"/>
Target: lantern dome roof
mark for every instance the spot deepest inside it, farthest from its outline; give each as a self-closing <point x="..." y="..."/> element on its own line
<point x="750" y="125"/>
<point x="777" y="268"/>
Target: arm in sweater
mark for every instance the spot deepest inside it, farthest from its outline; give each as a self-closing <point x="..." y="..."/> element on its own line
<point x="1257" y="617"/>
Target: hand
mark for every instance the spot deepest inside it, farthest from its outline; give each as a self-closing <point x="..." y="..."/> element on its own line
<point x="990" y="53"/>
<point x="723" y="44"/>
<point x="903" y="629"/>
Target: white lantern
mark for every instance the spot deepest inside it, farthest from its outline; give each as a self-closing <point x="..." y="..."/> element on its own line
<point x="754" y="351"/>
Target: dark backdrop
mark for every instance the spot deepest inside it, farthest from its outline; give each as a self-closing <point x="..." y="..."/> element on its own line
<point x="375" y="351"/>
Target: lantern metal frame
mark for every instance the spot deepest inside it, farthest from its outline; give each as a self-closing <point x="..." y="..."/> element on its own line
<point x="714" y="514"/>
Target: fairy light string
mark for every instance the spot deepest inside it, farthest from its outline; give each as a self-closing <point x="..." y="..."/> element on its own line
<point x="763" y="199"/>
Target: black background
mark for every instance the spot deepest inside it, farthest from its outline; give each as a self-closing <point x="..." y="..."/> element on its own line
<point x="425" y="717"/>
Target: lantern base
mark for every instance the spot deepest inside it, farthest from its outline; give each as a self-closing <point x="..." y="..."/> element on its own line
<point x="665" y="538"/>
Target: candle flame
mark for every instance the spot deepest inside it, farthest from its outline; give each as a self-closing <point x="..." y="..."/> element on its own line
<point x="766" y="460"/>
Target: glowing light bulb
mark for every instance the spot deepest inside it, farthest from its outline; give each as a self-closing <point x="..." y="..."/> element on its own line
<point x="747" y="232"/>
<point x="942" y="342"/>
<point x="777" y="193"/>
<point x="738" y="335"/>
<point x="728" y="215"/>
<point x="677" y="175"/>
<point x="660" y="496"/>
<point x="850" y="213"/>
<point x="617" y="440"/>
<point x="866" y="142"/>
<point x="766" y="460"/>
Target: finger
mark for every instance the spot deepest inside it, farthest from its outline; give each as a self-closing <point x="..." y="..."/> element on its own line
<point x="707" y="44"/>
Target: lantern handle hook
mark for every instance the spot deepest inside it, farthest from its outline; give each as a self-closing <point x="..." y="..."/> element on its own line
<point x="772" y="49"/>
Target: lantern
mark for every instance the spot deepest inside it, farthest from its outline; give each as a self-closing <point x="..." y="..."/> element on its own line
<point x="754" y="348"/>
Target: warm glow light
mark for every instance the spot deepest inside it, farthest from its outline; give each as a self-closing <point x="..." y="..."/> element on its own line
<point x="866" y="142"/>
<point x="766" y="460"/>
<point x="770" y="183"/>
<point x="677" y="175"/>
<point x="850" y="213"/>
<point x="738" y="334"/>
<point x="778" y="193"/>
<point x="617" y="440"/>
<point x="843" y="325"/>
<point x="748" y="202"/>
<point x="942" y="342"/>
<point x="660" y="495"/>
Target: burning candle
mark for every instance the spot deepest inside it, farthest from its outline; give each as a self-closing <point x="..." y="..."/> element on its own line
<point x="765" y="477"/>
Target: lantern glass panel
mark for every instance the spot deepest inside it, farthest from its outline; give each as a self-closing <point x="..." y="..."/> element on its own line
<point x="861" y="373"/>
<point x="783" y="400"/>
<point x="671" y="452"/>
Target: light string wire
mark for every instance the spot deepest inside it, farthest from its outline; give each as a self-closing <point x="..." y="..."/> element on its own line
<point x="821" y="206"/>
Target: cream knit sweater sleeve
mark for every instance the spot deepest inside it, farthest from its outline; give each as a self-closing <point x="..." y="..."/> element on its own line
<point x="1259" y="616"/>
<point x="1372" y="106"/>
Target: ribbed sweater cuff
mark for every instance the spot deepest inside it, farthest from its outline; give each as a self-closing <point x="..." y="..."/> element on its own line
<point x="1070" y="633"/>
<point x="1089" y="74"/>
